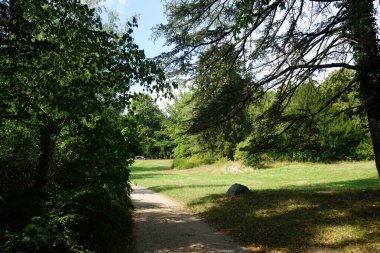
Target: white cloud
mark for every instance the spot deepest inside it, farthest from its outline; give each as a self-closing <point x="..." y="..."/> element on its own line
<point x="116" y="5"/>
<point x="122" y="3"/>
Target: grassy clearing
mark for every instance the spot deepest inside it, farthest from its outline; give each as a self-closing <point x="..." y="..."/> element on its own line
<point x="293" y="205"/>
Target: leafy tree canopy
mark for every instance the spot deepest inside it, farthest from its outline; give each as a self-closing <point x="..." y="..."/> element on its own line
<point x="65" y="78"/>
<point x="278" y="45"/>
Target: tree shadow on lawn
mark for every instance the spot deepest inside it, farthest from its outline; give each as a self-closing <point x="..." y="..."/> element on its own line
<point x="350" y="184"/>
<point x="163" y="188"/>
<point x="294" y="219"/>
<point x="155" y="168"/>
<point x="149" y="175"/>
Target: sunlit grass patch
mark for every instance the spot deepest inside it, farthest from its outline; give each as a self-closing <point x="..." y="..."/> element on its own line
<point x="293" y="206"/>
<point x="338" y="234"/>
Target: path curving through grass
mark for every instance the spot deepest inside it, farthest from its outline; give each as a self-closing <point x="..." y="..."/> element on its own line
<point x="162" y="225"/>
<point x="294" y="207"/>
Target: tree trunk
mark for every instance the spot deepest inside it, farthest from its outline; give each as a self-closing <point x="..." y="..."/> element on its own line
<point x="46" y="153"/>
<point x="363" y="33"/>
<point x="372" y="106"/>
<point x="374" y="127"/>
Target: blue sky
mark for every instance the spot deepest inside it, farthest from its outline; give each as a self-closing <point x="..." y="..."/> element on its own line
<point x="149" y="13"/>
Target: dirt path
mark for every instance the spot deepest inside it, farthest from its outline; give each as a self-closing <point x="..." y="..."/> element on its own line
<point x="162" y="225"/>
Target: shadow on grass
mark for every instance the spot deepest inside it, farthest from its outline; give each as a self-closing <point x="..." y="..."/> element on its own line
<point x="164" y="188"/>
<point x="149" y="175"/>
<point x="294" y="219"/>
<point x="349" y="184"/>
<point x="150" y="168"/>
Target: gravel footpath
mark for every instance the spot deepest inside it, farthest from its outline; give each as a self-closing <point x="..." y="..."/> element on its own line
<point x="163" y="225"/>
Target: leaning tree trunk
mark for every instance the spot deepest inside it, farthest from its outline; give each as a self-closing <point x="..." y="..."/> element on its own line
<point x="362" y="33"/>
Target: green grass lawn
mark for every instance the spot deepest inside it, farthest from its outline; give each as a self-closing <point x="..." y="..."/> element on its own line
<point x="292" y="206"/>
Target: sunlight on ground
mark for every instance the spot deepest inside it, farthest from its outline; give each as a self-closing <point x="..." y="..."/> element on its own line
<point x="285" y="207"/>
<point x="293" y="206"/>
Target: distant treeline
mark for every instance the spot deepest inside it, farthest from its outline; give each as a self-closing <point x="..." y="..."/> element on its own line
<point x="310" y="128"/>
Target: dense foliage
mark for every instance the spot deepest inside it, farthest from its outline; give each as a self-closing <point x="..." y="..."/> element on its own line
<point x="65" y="78"/>
<point x="153" y="140"/>
<point x="338" y="132"/>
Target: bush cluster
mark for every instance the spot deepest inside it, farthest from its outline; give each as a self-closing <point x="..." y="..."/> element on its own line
<point x="194" y="161"/>
<point x="84" y="208"/>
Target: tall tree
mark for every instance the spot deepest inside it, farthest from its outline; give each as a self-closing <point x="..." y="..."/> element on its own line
<point x="180" y="112"/>
<point x="60" y="68"/>
<point x="221" y="90"/>
<point x="65" y="78"/>
<point x="282" y="44"/>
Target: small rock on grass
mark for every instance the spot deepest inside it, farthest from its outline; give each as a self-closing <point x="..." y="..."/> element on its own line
<point x="237" y="189"/>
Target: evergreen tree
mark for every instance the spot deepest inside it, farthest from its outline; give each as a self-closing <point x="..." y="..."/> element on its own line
<point x="282" y="44"/>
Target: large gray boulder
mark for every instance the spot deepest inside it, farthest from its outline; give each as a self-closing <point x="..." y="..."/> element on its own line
<point x="237" y="189"/>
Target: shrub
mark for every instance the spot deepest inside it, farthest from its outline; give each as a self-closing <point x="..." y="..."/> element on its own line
<point x="194" y="161"/>
<point x="221" y="161"/>
<point x="364" y="151"/>
<point x="85" y="219"/>
<point x="186" y="163"/>
<point x="47" y="233"/>
<point x="208" y="158"/>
